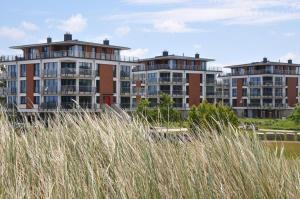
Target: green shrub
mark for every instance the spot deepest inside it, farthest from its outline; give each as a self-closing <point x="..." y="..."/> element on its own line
<point x="208" y="115"/>
<point x="295" y="116"/>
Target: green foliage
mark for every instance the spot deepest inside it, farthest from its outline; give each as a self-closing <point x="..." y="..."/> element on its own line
<point x="164" y="112"/>
<point x="295" y="116"/>
<point x="208" y="115"/>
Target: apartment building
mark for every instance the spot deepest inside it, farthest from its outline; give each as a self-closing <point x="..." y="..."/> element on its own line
<point x="67" y="74"/>
<point x="262" y="89"/>
<point x="188" y="80"/>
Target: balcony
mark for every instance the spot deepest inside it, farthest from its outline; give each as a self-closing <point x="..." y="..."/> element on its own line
<point x="168" y="92"/>
<point x="177" y="105"/>
<point x="140" y="91"/>
<point x="86" y="72"/>
<point x="178" y="93"/>
<point x="177" y="67"/>
<point x="210" y="95"/>
<point x="261" y="72"/>
<point x="68" y="89"/>
<point x="152" y="93"/>
<point x="267" y="83"/>
<point x="165" y="80"/>
<point x="87" y="89"/>
<point x="71" y="54"/>
<point x="68" y="72"/>
<point x="125" y="91"/>
<point x="124" y="75"/>
<point x="49" y="106"/>
<point x="178" y="80"/>
<point x="68" y="105"/>
<point x="210" y="82"/>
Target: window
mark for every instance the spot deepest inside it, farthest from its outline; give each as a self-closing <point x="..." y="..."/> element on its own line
<point x="50" y="69"/>
<point x="36" y="70"/>
<point x="85" y="65"/>
<point x="50" y="99"/>
<point x="98" y="86"/>
<point x="152" y="90"/>
<point x="12" y="100"/>
<point x="125" y="86"/>
<point x="278" y="92"/>
<point x="234" y="82"/>
<point x="22" y="100"/>
<point x="234" y="92"/>
<point x="23" y="86"/>
<point x="255" y="81"/>
<point x="114" y="86"/>
<point x="255" y="92"/>
<point x="23" y="70"/>
<point x="114" y="71"/>
<point x="50" y="85"/>
<point x="125" y="71"/>
<point x="12" y="87"/>
<point x="12" y="70"/>
<point x="244" y="92"/>
<point x="36" y="84"/>
<point x="152" y="77"/>
<point x="36" y="100"/>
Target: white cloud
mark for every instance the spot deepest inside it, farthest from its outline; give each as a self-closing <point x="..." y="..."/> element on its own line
<point x="139" y="52"/>
<point x="171" y="26"/>
<point x="228" y="12"/>
<point x="122" y="31"/>
<point x="29" y="26"/>
<point x="287" y="56"/>
<point x="76" y="23"/>
<point x="12" y="33"/>
<point x="155" y="1"/>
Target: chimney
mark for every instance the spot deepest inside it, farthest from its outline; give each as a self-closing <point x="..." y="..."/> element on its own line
<point x="197" y="56"/>
<point x="49" y="40"/>
<point x="265" y="60"/>
<point x="106" y="42"/>
<point x="290" y="61"/>
<point x="68" y="37"/>
<point x="165" y="53"/>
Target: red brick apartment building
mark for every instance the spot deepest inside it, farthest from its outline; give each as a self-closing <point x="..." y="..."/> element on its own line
<point x="188" y="80"/>
<point x="261" y="89"/>
<point x="67" y="74"/>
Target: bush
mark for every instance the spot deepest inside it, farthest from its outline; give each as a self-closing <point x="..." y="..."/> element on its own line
<point x="295" y="116"/>
<point x="208" y="115"/>
<point x="164" y="112"/>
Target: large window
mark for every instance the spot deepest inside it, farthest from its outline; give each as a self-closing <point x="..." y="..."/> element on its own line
<point x="36" y="84"/>
<point x="125" y="71"/>
<point x="12" y="70"/>
<point x="50" y="99"/>
<point x="234" y="82"/>
<point x="36" y="100"/>
<point x="23" y="70"/>
<point x="152" y="90"/>
<point x="85" y="65"/>
<point x="12" y="87"/>
<point x="152" y="77"/>
<point x="50" y="69"/>
<point x="22" y="100"/>
<point x="36" y="70"/>
<point x="234" y="92"/>
<point x="50" y="85"/>
<point x="255" y="92"/>
<point x="255" y="81"/>
<point x="23" y="86"/>
<point x="12" y="100"/>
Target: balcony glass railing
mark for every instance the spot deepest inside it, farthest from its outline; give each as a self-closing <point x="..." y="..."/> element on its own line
<point x="68" y="89"/>
<point x="86" y="72"/>
<point x="87" y="89"/>
<point x="177" y="67"/>
<point x="69" y="53"/>
<point x="68" y="72"/>
<point x="259" y="72"/>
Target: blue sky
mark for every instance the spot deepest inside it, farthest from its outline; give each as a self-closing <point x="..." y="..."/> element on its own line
<point x="231" y="31"/>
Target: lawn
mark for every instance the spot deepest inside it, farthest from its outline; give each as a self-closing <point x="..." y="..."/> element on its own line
<point x="277" y="124"/>
<point x="290" y="149"/>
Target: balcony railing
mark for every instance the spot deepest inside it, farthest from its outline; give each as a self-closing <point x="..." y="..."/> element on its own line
<point x="50" y="73"/>
<point x="68" y="72"/>
<point x="87" y="89"/>
<point x="49" y="106"/>
<point x="69" y="53"/>
<point x="11" y="91"/>
<point x="259" y="72"/>
<point x="178" y="92"/>
<point x="164" y="79"/>
<point x="86" y="72"/>
<point x="125" y="91"/>
<point x="177" y="67"/>
<point x="68" y="89"/>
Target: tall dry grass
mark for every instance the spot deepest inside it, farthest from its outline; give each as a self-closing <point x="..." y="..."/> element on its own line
<point x="89" y="156"/>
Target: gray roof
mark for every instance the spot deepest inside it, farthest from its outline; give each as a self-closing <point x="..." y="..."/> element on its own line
<point x="262" y="64"/>
<point x="71" y="42"/>
<point x="176" y="57"/>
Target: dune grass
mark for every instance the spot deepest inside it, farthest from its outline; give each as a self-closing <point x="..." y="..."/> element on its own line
<point x="88" y="156"/>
